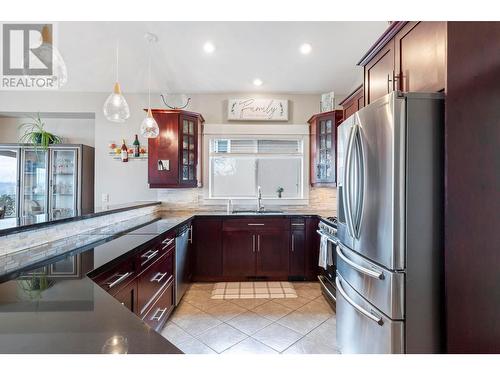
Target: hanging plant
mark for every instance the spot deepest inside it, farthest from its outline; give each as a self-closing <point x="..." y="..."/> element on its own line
<point x="35" y="134"/>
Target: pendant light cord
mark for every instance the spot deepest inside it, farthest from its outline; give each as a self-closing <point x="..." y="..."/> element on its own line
<point x="117" y="55"/>
<point x="149" y="78"/>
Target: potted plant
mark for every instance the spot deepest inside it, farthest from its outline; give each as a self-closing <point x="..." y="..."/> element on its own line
<point x="35" y="133"/>
<point x="280" y="190"/>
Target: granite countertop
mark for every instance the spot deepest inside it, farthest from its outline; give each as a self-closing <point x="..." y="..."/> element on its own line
<point x="53" y="307"/>
<point x="49" y="305"/>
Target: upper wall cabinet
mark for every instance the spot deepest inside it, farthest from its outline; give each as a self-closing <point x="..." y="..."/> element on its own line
<point x="175" y="155"/>
<point x="353" y="102"/>
<point x="409" y="56"/>
<point x="323" y="150"/>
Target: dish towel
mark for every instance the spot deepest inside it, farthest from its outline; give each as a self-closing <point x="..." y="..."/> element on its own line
<point x="323" y="252"/>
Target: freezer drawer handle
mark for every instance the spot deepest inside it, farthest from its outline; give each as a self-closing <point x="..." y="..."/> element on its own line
<point x="369" y="315"/>
<point x="357" y="267"/>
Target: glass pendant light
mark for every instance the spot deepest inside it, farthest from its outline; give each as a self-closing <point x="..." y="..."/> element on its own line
<point x="46" y="52"/>
<point x="115" y="107"/>
<point x="149" y="126"/>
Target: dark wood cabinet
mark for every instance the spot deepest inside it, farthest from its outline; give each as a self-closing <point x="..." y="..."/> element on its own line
<point x="297" y="269"/>
<point x="239" y="249"/>
<point x="207" y="249"/>
<point x="312" y="248"/>
<point x="409" y="56"/>
<point x="153" y="280"/>
<point x="380" y="74"/>
<point x="420" y="56"/>
<point x="142" y="281"/>
<point x="255" y="248"/>
<point x="353" y="102"/>
<point x="323" y="150"/>
<point x="127" y="296"/>
<point x="272" y="254"/>
<point x="174" y="157"/>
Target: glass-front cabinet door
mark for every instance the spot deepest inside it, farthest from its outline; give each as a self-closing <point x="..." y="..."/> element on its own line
<point x="34" y="182"/>
<point x="63" y="180"/>
<point x="326" y="150"/>
<point x="9" y="176"/>
<point x="188" y="150"/>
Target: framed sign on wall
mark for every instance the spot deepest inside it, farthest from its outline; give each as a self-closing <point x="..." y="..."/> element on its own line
<point x="256" y="109"/>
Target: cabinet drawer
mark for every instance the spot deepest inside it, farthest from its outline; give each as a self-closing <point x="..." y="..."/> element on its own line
<point x="153" y="252"/>
<point x="159" y="312"/>
<point x="255" y="224"/>
<point x="153" y="279"/>
<point x="297" y="223"/>
<point x="117" y="277"/>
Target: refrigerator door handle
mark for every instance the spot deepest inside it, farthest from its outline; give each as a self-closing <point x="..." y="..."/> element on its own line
<point x="347" y="187"/>
<point x="357" y="267"/>
<point x="368" y="314"/>
<point x="360" y="174"/>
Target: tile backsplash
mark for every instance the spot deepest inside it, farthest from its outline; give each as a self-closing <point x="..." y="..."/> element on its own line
<point x="320" y="199"/>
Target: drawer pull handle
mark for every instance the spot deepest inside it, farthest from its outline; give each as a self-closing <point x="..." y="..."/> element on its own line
<point x="158" y="277"/>
<point x="255" y="224"/>
<point x="167" y="241"/>
<point x="159" y="311"/>
<point x="120" y="279"/>
<point x="150" y="254"/>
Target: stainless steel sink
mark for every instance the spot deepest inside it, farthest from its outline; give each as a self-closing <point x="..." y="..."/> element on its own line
<point x="255" y="212"/>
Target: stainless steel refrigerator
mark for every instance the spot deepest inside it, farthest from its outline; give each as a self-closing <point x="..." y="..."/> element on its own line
<point x="47" y="184"/>
<point x="390" y="226"/>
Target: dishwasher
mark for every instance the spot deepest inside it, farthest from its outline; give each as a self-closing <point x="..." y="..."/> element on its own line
<point x="182" y="269"/>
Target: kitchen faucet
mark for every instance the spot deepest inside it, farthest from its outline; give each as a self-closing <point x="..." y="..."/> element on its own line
<point x="260" y="207"/>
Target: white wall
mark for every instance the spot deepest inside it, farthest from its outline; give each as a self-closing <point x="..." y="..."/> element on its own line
<point x="72" y="130"/>
<point x="128" y="182"/>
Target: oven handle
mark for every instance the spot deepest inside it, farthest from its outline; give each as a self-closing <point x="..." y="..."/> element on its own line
<point x="369" y="315"/>
<point x="321" y="233"/>
<point x="357" y="267"/>
<point x="326" y="289"/>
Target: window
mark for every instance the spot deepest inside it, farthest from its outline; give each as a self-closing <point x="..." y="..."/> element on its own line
<point x="238" y="166"/>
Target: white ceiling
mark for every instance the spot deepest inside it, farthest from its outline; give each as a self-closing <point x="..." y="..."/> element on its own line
<point x="244" y="51"/>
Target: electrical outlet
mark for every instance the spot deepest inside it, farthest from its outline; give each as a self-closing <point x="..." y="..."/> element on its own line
<point x="105" y="197"/>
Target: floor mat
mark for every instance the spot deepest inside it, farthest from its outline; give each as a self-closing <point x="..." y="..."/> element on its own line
<point x="254" y="289"/>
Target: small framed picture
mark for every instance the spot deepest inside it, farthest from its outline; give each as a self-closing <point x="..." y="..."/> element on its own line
<point x="327" y="103"/>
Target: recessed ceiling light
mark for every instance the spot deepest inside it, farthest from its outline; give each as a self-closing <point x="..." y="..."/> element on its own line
<point x="257" y="82"/>
<point x="209" y="47"/>
<point x="305" y="49"/>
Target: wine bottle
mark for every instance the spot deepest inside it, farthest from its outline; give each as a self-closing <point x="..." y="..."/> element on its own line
<point x="136" y="147"/>
<point x="124" y="152"/>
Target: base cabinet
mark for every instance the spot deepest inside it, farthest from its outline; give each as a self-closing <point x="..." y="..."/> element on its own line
<point x="127" y="296"/>
<point x="239" y="254"/>
<point x="297" y="270"/>
<point x="207" y="249"/>
<point x="272" y="254"/>
<point x="240" y="249"/>
<point x="144" y="281"/>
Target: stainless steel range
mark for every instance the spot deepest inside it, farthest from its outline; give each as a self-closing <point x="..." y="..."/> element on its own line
<point x="327" y="229"/>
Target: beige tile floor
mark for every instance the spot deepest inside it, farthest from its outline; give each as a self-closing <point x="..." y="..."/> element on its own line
<point x="302" y="325"/>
